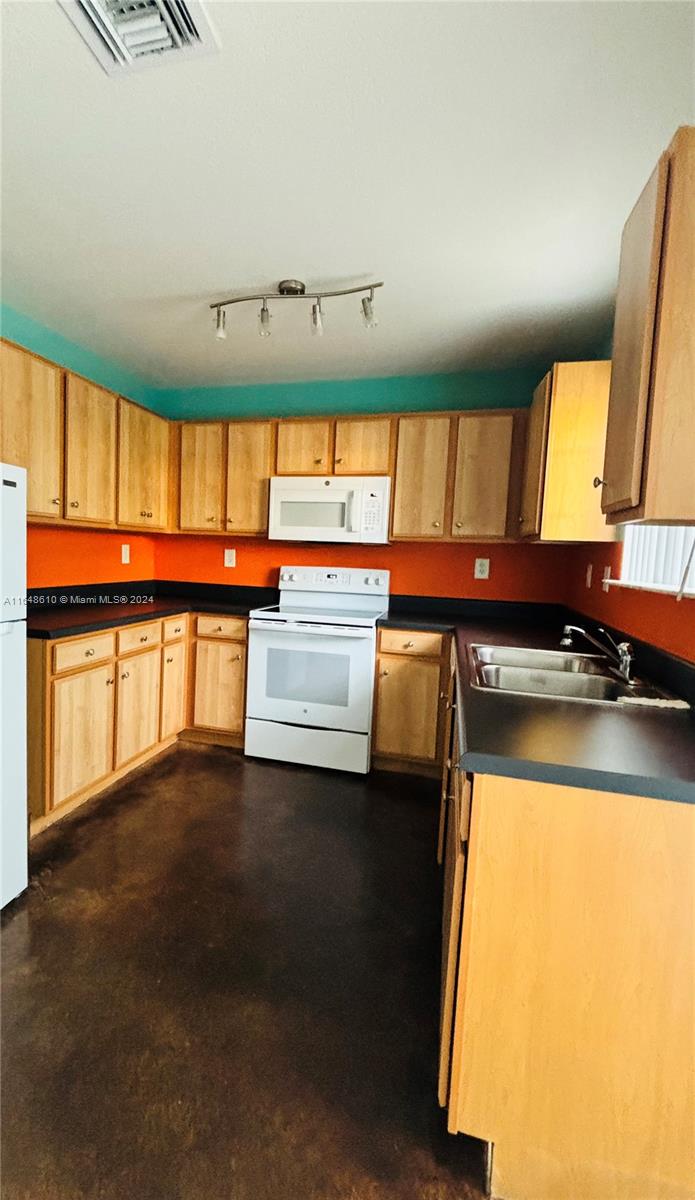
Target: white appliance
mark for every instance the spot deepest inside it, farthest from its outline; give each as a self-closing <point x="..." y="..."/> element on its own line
<point x="329" y="508"/>
<point x="311" y="661"/>
<point x="13" y="681"/>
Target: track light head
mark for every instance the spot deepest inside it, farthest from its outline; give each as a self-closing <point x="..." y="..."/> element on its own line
<point x="220" y="325"/>
<point x="264" y="320"/>
<point x="317" y="318"/>
<point x="368" y="316"/>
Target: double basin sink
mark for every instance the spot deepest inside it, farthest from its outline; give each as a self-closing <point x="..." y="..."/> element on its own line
<point x="562" y="674"/>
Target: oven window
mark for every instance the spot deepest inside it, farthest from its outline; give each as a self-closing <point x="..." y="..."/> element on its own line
<point x="316" y="677"/>
<point x="312" y="514"/>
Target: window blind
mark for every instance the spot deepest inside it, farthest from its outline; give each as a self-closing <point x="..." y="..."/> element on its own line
<point x="656" y="556"/>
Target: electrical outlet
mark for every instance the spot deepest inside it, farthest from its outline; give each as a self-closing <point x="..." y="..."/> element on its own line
<point x="125" y="552"/>
<point x="589" y="574"/>
<point x="481" y="569"/>
<point x="230" y="558"/>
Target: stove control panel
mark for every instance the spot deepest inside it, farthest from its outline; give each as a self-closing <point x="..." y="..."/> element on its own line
<point x="359" y="581"/>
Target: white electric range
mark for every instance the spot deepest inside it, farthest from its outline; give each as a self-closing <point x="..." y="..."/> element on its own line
<point x="311" y="661"/>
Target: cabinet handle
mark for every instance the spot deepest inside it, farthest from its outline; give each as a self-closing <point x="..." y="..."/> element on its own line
<point x="108" y="681"/>
<point x="56" y="501"/>
<point x="459" y="524"/>
<point x="382" y="673"/>
<point x="125" y="675"/>
<point x="89" y="654"/>
<point x="144" y="637"/>
<point x="408" y="645"/>
<point x="170" y="660"/>
<point x="318" y="461"/>
<point x="74" y="504"/>
<point x="598" y="482"/>
<point x="436" y="524"/>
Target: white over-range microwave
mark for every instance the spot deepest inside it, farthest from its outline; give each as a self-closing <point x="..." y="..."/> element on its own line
<point x="329" y="508"/>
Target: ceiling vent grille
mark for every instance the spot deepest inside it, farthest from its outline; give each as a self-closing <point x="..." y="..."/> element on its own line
<point x="128" y="35"/>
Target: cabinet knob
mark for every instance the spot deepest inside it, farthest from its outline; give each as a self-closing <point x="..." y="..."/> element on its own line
<point x="436" y="524"/>
<point x="218" y="629"/>
<point x="125" y="675"/>
<point x="230" y="520"/>
<point x="521" y="519"/>
<point x="408" y="645"/>
<point x="56" y="501"/>
<point x="236" y="658"/>
<point x="598" y="482"/>
<point x="170" y="660"/>
<point x="144" y="637"/>
<point x="383" y="673"/>
<point x="318" y="461"/>
<point x="143" y="513"/>
<point x="178" y="629"/>
<point x="459" y="524"/>
<point x="210" y="518"/>
<point x="338" y="460"/>
<point x="74" y="504"/>
<point x="89" y="654"/>
<point x="149" y="514"/>
<point x="108" y="681"/>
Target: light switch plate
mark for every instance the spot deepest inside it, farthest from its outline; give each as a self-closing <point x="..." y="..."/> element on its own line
<point x="481" y="569"/>
<point x="230" y="558"/>
<point x="125" y="552"/>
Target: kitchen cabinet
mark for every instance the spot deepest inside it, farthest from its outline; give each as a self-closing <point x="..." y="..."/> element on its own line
<point x="82" y="730"/>
<point x="202" y="476"/>
<point x="482" y="474"/>
<point x="420" y="489"/>
<point x="647" y="474"/>
<point x="143" y="467"/>
<point x="564" y="451"/>
<point x="410" y="691"/>
<point x="220" y="678"/>
<point x="250" y="446"/>
<point x="173" y="705"/>
<point x="454" y="871"/>
<point x="31" y="426"/>
<point x="90" y="453"/>
<point x="363" y="446"/>
<point x="137" y="720"/>
<point x="304" y="448"/>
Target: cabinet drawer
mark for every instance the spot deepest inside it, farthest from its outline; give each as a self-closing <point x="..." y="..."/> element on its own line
<point x="222" y="627"/>
<point x="136" y="637"/>
<point x="175" y="627"/>
<point x="411" y="641"/>
<point x="85" y="652"/>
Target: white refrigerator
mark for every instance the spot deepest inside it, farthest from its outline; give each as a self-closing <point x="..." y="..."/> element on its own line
<point x="13" y="682"/>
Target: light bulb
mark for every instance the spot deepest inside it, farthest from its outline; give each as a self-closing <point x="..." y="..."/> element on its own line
<point x="368" y="312"/>
<point x="264" y="321"/>
<point x="220" y="325"/>
<point x="317" y="318"/>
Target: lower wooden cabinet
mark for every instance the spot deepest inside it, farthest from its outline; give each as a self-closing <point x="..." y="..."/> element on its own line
<point x="410" y="698"/>
<point x="82" y="730"/>
<point x="173" y="704"/>
<point x="220" y="678"/>
<point x="137" y="721"/>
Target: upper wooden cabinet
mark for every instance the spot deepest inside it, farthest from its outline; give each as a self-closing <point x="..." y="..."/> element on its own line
<point x="202" y="476"/>
<point x="363" y="446"/>
<point x="420" y="491"/>
<point x="304" y="448"/>
<point x="482" y="474"/>
<point x="564" y="450"/>
<point x="31" y="426"/>
<point x="648" y="469"/>
<point x="249" y="467"/>
<point x="143" y="467"/>
<point x="90" y="453"/>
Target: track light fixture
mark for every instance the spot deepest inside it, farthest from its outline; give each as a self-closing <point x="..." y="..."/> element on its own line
<point x="294" y="289"/>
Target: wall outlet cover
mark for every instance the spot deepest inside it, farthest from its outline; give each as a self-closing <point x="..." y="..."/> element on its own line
<point x="125" y="552"/>
<point x="230" y="558"/>
<point x="481" y="569"/>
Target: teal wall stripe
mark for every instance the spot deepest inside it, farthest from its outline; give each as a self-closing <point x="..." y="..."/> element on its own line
<point x="510" y="388"/>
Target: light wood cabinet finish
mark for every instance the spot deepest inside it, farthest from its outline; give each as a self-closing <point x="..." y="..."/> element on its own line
<point x="576" y="980"/>
<point x="220" y="673"/>
<point x="304" y="448"/>
<point x="202" y="476"/>
<point x="420" y="491"/>
<point x="31" y="426"/>
<point x="173" y="705"/>
<point x="363" y="447"/>
<point x="143" y="467"/>
<point x="411" y="641"/>
<point x="90" y="453"/>
<point x="137" y="637"/>
<point x="482" y="475"/>
<point x="222" y="627"/>
<point x="82" y="731"/>
<point x="175" y="627"/>
<point x="534" y="461"/>
<point x="454" y="868"/>
<point x="576" y="439"/>
<point x="137" y="721"/>
<point x="83" y="652"/>
<point x="249" y="468"/>
<point x="407" y="707"/>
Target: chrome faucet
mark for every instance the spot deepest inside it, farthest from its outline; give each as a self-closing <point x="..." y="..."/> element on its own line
<point x="622" y="653"/>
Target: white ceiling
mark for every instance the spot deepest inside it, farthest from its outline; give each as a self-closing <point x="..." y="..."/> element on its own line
<point x="479" y="157"/>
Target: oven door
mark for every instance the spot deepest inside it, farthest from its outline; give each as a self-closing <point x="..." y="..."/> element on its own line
<point x="321" y="676"/>
<point x="313" y="514"/>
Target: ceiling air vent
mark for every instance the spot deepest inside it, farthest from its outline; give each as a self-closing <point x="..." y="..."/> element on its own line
<point x="128" y="35"/>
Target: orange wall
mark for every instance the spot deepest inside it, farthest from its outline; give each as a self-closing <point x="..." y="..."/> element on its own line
<point x="58" y="557"/>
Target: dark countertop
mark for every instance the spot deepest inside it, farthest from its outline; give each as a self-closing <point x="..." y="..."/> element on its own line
<point x="73" y="619"/>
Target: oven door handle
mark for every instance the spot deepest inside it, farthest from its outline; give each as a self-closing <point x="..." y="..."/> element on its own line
<point x="311" y="630"/>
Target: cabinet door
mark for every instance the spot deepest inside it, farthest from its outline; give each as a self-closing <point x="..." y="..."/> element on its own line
<point x="304" y="448"/>
<point x="202" y="476"/>
<point x="220" y="673"/>
<point x="143" y="467"/>
<point x="363" y="447"/>
<point x="82" y="735"/>
<point x="31" y="426"/>
<point x="173" y="707"/>
<point x="483" y="467"/>
<point x="534" y="459"/>
<point x="249" y="467"/>
<point x="633" y="334"/>
<point x="407" y="711"/>
<point x="454" y="869"/>
<point x="137" y="720"/>
<point x="576" y="439"/>
<point x="90" y="452"/>
<point x="421" y="476"/>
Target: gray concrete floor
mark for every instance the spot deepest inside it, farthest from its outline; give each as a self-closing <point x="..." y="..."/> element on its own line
<point x="223" y="985"/>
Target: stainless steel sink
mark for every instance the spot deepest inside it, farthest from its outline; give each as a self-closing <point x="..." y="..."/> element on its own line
<point x="587" y="678"/>
<point x="546" y="660"/>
